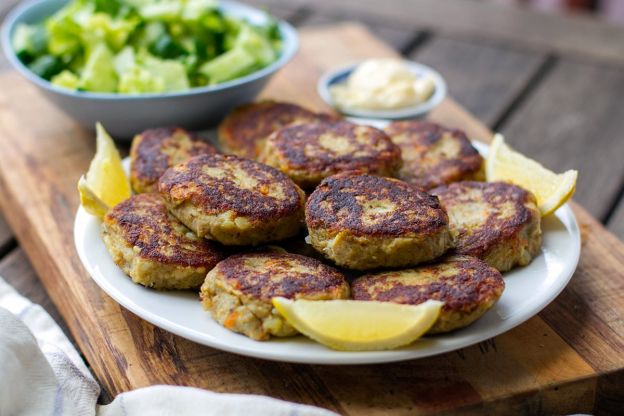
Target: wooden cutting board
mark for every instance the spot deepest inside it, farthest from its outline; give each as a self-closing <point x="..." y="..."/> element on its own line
<point x="568" y="359"/>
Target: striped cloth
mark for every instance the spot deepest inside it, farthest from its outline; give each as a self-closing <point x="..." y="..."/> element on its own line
<point x="42" y="374"/>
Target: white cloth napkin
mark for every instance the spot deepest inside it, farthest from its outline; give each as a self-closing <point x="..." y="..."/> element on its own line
<point x="42" y="374"/>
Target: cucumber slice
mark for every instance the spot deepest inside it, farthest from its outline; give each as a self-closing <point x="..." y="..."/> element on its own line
<point x="228" y="66"/>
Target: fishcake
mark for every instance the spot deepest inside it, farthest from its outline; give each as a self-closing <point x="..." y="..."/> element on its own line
<point x="238" y="291"/>
<point x="309" y="153"/>
<point x="154" y="248"/>
<point x="495" y="221"/>
<point x="156" y="150"/>
<point x="467" y="286"/>
<point x="434" y="155"/>
<point x="362" y="221"/>
<point x="245" y="129"/>
<point x="233" y="200"/>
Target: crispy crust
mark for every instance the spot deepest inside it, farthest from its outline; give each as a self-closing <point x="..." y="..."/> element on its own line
<point x="153" y="247"/>
<point x="338" y="204"/>
<point x="233" y="200"/>
<point x="238" y="291"/>
<point x="156" y="150"/>
<point x="467" y="286"/>
<point x="308" y="153"/>
<point x="365" y="221"/>
<point x="264" y="275"/>
<point x="243" y="131"/>
<point x="495" y="221"/>
<point x="434" y="155"/>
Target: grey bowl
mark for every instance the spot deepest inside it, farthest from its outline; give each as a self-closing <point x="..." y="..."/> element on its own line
<point x="340" y="75"/>
<point x="125" y="115"/>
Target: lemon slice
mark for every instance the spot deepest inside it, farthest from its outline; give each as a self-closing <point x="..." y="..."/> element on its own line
<point x="551" y="189"/>
<point x="105" y="184"/>
<point x="352" y="325"/>
<point x="90" y="201"/>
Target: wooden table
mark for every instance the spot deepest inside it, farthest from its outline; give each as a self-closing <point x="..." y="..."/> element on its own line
<point x="552" y="85"/>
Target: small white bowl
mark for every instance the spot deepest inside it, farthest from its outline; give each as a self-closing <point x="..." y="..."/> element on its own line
<point x="340" y="75"/>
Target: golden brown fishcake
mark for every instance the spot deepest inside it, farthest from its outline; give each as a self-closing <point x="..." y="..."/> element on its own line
<point x="233" y="200"/>
<point x="494" y="221"/>
<point x="467" y="286"/>
<point x="156" y="150"/>
<point x="154" y="248"/>
<point x="434" y="155"/>
<point x="238" y="291"/>
<point x="244" y="130"/>
<point x="309" y="153"/>
<point x="362" y="221"/>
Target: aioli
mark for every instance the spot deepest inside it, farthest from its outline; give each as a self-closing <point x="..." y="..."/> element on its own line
<point x="382" y="84"/>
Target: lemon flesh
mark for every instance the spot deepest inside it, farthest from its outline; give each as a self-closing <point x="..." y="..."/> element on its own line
<point x="551" y="189"/>
<point x="352" y="325"/>
<point x="105" y="184"/>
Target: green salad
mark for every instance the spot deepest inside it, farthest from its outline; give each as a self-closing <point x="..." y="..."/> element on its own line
<point x="144" y="46"/>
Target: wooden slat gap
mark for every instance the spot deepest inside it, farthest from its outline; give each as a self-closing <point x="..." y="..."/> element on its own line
<point x="618" y="199"/>
<point x="531" y="85"/>
<point x="298" y="16"/>
<point x="7" y="247"/>
<point x="418" y="42"/>
<point x="574" y="35"/>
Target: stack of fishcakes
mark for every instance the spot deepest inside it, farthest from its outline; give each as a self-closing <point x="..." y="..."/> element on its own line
<point x="402" y="205"/>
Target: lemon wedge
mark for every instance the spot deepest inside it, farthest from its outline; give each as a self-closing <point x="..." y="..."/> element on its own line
<point x="551" y="189"/>
<point x="105" y="184"/>
<point x="352" y="325"/>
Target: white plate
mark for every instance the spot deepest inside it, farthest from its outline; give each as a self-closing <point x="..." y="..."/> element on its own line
<point x="528" y="290"/>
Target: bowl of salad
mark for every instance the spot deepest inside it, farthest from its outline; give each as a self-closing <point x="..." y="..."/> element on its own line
<point x="138" y="64"/>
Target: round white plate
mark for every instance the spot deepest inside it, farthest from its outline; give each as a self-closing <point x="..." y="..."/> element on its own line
<point x="528" y="290"/>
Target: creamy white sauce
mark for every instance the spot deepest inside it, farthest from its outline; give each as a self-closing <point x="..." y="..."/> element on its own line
<point x="382" y="84"/>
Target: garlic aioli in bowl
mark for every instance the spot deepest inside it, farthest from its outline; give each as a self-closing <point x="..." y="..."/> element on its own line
<point x="382" y="84"/>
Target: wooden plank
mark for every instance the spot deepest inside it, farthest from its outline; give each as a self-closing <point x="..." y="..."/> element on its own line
<point x="616" y="223"/>
<point x="399" y="38"/>
<point x="281" y="9"/>
<point x="576" y="303"/>
<point x="17" y="271"/>
<point x="533" y="368"/>
<point x="5" y="7"/>
<point x="575" y="120"/>
<point x="485" y="77"/>
<point x="568" y="33"/>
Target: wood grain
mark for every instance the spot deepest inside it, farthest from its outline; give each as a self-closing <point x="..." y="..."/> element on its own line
<point x="575" y="120"/>
<point x="5" y="7"/>
<point x="572" y="34"/>
<point x="286" y="10"/>
<point x="400" y="38"/>
<point x="483" y="76"/>
<point x="536" y="368"/>
<point x="600" y="321"/>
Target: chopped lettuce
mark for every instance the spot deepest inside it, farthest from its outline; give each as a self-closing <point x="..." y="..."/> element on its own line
<point x="137" y="80"/>
<point x="46" y="66"/>
<point x="124" y="61"/>
<point x="144" y="46"/>
<point x="99" y="72"/>
<point x="29" y="42"/>
<point x="257" y="45"/>
<point x="66" y="79"/>
<point x="172" y="73"/>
